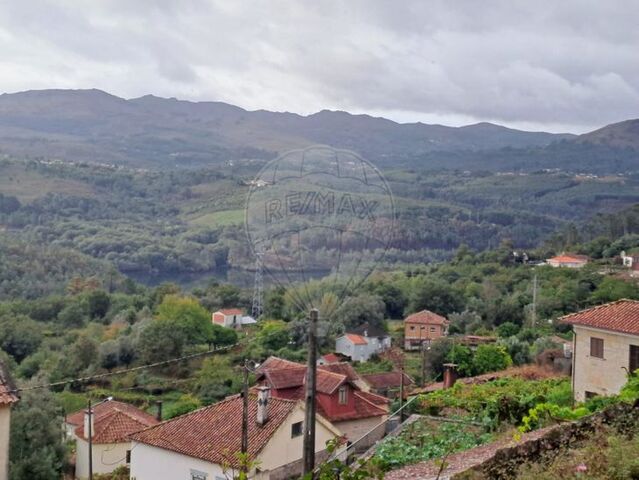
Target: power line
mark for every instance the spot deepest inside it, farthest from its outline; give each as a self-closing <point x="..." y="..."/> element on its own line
<point x="126" y="370"/>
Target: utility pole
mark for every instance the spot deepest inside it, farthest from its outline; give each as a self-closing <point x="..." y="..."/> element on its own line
<point x="534" y="305"/>
<point x="401" y="393"/>
<point x="245" y="406"/>
<point x="90" y="439"/>
<point x="311" y="380"/>
<point x="423" y="363"/>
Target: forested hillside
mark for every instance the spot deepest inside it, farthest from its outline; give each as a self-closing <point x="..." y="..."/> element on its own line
<point x="169" y="222"/>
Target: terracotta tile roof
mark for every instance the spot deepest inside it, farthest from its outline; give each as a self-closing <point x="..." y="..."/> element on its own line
<point x="104" y="408"/>
<point x="7" y="387"/>
<point x="214" y="433"/>
<point x="331" y="358"/>
<point x="116" y="426"/>
<point x="342" y="368"/>
<point x="273" y="362"/>
<point x="328" y="382"/>
<point x="620" y="316"/>
<point x="281" y="378"/>
<point x="387" y="379"/>
<point x="426" y="317"/>
<point x="356" y="339"/>
<point x="231" y="311"/>
<point x="569" y="258"/>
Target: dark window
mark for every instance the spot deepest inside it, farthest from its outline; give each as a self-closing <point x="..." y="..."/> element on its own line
<point x="296" y="429"/>
<point x="128" y="456"/>
<point x="432" y="329"/>
<point x="590" y="395"/>
<point x="634" y="358"/>
<point x="596" y="347"/>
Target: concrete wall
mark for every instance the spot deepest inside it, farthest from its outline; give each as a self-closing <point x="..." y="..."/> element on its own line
<point x="106" y="458"/>
<point x="354" y="429"/>
<point x="603" y="376"/>
<point x="5" y="427"/>
<point x="152" y="463"/>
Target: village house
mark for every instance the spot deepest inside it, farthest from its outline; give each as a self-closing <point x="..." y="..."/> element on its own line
<point x="361" y="343"/>
<point x="203" y="444"/>
<point x="605" y="348"/>
<point x="631" y="262"/>
<point x="231" y="318"/>
<point x="329" y="358"/>
<point x="423" y="327"/>
<point x="341" y="397"/>
<point x="568" y="260"/>
<point x="7" y="398"/>
<point x="112" y="423"/>
<point x="388" y="384"/>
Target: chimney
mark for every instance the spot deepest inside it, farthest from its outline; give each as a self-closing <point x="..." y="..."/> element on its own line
<point x="450" y="374"/>
<point x="86" y="424"/>
<point x="158" y="414"/>
<point x="263" y="394"/>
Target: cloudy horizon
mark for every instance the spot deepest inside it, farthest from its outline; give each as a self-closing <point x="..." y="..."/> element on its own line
<point x="569" y="66"/>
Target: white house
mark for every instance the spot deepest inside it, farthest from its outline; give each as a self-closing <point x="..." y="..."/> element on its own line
<point x="7" y="398"/>
<point x="112" y="423"/>
<point x="228" y="317"/>
<point x="605" y="348"/>
<point x="361" y="343"/>
<point x="203" y="445"/>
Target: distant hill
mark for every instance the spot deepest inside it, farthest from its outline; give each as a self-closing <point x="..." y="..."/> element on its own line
<point x="618" y="135"/>
<point x="91" y="125"/>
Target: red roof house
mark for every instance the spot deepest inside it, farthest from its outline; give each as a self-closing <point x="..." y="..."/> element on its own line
<point x="568" y="260"/>
<point x="605" y="347"/>
<point x="388" y="384"/>
<point x="208" y="440"/>
<point x="112" y="424"/>
<point x="423" y="327"/>
<point x="340" y="397"/>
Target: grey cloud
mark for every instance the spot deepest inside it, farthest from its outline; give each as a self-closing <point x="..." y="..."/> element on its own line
<point x="571" y="64"/>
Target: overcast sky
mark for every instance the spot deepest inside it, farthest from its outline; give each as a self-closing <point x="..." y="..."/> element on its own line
<point x="554" y="65"/>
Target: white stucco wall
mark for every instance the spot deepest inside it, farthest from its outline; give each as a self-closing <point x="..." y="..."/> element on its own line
<point x="5" y="427"/>
<point x="152" y="463"/>
<point x="603" y="376"/>
<point x="282" y="449"/>
<point x="106" y="458"/>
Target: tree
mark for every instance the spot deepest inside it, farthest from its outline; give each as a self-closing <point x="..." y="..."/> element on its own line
<point x="435" y="295"/>
<point x="216" y="379"/>
<point x="188" y="316"/>
<point x="73" y="315"/>
<point x="222" y="336"/>
<point x="490" y="358"/>
<point x="273" y="335"/>
<point x="36" y="449"/>
<point x="19" y="336"/>
<point x="611" y="289"/>
<point x="518" y="350"/>
<point x="361" y="309"/>
<point x="98" y="303"/>
<point x="507" y="329"/>
<point x="437" y="355"/>
<point x="462" y="356"/>
<point x="160" y="341"/>
<point x="109" y="355"/>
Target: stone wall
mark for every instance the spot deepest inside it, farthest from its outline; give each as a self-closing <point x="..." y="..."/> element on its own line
<point x="504" y="464"/>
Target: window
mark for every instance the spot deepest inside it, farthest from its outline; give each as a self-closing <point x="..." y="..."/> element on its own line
<point x="596" y="347"/>
<point x="343" y="395"/>
<point x="633" y="364"/>
<point x="128" y="457"/>
<point x="197" y="475"/>
<point x="296" y="429"/>
<point x="412" y="327"/>
<point x="432" y="329"/>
